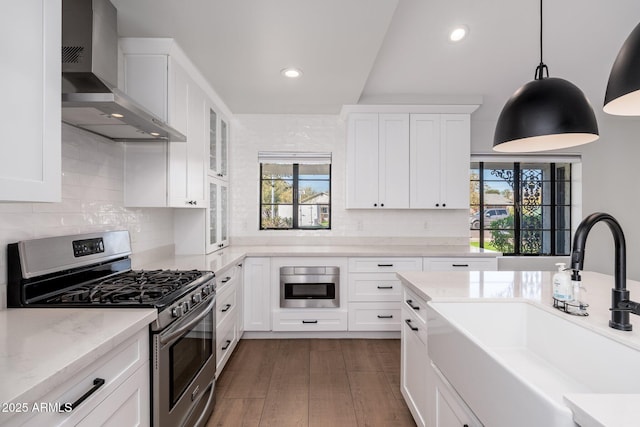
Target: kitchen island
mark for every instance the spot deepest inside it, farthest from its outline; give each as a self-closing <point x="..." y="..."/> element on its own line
<point x="534" y="288"/>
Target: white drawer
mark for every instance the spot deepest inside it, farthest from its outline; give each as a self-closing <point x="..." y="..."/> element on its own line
<point x="460" y="264"/>
<point x="227" y="277"/>
<point x="226" y="304"/>
<point x="374" y="287"/>
<point x="114" y="368"/>
<point x="374" y="316"/>
<point x="225" y="342"/>
<point x="414" y="304"/>
<point x="310" y="320"/>
<point x="384" y="265"/>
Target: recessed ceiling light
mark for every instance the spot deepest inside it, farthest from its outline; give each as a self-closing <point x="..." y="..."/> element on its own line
<point x="154" y="134"/>
<point x="292" y="73"/>
<point x="117" y="115"/>
<point x="458" y="33"/>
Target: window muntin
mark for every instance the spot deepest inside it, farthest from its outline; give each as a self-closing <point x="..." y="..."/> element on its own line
<point x="295" y="196"/>
<point x="537" y="199"/>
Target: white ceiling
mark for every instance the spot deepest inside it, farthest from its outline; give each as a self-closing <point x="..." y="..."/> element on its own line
<point x="384" y="51"/>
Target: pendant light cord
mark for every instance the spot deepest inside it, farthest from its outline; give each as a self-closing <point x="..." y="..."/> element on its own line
<point x="540" y="69"/>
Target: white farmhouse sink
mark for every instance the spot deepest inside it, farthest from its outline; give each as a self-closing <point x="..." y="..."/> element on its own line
<point x="512" y="361"/>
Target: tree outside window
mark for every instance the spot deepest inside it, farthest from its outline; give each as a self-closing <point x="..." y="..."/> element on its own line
<point x="521" y="208"/>
<point x="295" y="196"/>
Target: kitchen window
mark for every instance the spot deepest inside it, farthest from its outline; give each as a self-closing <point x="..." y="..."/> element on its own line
<point x="295" y="191"/>
<point x="521" y="207"/>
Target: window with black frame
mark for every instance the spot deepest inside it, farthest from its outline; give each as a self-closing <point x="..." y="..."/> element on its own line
<point x="295" y="191"/>
<point x="521" y="208"/>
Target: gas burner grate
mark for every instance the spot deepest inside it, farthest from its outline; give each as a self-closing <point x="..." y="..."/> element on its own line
<point x="144" y="287"/>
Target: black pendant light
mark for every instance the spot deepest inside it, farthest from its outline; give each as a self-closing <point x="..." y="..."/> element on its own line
<point x="623" y="90"/>
<point x="545" y="114"/>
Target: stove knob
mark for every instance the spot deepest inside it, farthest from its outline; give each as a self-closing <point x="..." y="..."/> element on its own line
<point x="206" y="289"/>
<point x="186" y="306"/>
<point x="177" y="311"/>
<point x="196" y="298"/>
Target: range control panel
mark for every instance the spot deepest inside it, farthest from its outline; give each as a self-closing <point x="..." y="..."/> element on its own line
<point x="88" y="247"/>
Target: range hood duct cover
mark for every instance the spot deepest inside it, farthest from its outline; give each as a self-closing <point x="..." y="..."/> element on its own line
<point x="90" y="97"/>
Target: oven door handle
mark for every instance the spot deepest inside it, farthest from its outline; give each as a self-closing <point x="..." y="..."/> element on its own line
<point x="181" y="330"/>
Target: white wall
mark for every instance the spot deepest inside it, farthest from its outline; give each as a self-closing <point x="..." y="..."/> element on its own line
<point x="92" y="200"/>
<point x="322" y="133"/>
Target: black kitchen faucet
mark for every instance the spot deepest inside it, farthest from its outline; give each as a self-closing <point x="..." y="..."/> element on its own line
<point x="621" y="305"/>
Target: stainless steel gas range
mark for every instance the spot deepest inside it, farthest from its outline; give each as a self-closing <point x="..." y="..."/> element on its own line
<point x="94" y="270"/>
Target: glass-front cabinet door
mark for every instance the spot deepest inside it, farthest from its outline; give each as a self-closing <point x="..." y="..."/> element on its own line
<point x="218" y="144"/>
<point x="217" y="215"/>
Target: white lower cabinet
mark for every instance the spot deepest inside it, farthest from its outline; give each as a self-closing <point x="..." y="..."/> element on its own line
<point x="257" y="294"/>
<point x="310" y="320"/>
<point x="414" y="365"/>
<point x="228" y="313"/>
<point x="448" y="407"/>
<point x="431" y="399"/>
<point x="375" y="291"/>
<point x="374" y="316"/>
<point x="121" y="391"/>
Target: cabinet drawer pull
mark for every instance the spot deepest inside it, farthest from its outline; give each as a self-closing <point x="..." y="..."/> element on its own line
<point x="385" y="287"/>
<point x="225" y="280"/>
<point x="380" y="316"/>
<point x="408" y="321"/>
<point x="309" y="321"/>
<point x="226" y="308"/>
<point x="459" y="265"/>
<point x="410" y="302"/>
<point x="226" y="345"/>
<point x="97" y="383"/>
<point x="385" y="265"/>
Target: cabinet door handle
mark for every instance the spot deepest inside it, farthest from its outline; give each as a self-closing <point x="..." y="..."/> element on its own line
<point x="226" y="308"/>
<point x="226" y="279"/>
<point x="382" y="205"/>
<point x="309" y="321"/>
<point x="385" y="265"/>
<point x="444" y="205"/>
<point x="410" y="302"/>
<point x="381" y="316"/>
<point x="375" y="205"/>
<point x="97" y="383"/>
<point x="408" y="321"/>
<point x="226" y="345"/>
<point x="459" y="265"/>
<point x="385" y="287"/>
<point x="437" y="205"/>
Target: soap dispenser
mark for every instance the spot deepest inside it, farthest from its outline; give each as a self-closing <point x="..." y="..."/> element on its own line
<point x="562" y="287"/>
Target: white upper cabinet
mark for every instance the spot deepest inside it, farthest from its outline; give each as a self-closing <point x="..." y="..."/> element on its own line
<point x="378" y="161"/>
<point x="165" y="174"/>
<point x="440" y="156"/>
<point x="218" y="137"/>
<point x="408" y="160"/>
<point x="30" y="157"/>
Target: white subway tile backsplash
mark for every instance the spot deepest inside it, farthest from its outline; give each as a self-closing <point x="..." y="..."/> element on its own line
<point x="92" y="200"/>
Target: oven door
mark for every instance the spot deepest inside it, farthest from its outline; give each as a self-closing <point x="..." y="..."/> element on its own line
<point x="184" y="369"/>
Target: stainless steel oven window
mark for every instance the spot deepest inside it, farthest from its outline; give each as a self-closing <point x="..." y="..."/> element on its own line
<point x="309" y="290"/>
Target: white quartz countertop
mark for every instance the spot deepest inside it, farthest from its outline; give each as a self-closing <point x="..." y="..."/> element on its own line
<point x="41" y="348"/>
<point x="590" y="410"/>
<point x="233" y="254"/>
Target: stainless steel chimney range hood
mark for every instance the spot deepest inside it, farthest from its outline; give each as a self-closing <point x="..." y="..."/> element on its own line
<point x="90" y="99"/>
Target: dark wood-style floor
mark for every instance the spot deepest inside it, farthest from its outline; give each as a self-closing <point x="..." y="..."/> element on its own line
<point x="312" y="382"/>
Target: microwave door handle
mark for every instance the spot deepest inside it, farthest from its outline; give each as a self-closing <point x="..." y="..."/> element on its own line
<point x="183" y="329"/>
